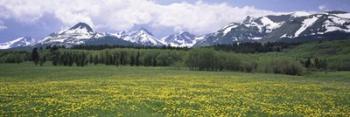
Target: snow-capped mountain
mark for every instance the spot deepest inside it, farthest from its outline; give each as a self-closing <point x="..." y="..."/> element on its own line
<point x="75" y="35"/>
<point x="142" y="37"/>
<point x="19" y="42"/>
<point x="82" y="33"/>
<point x="182" y="39"/>
<point x="297" y="26"/>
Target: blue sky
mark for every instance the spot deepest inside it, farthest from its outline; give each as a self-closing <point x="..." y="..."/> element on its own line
<point x="281" y="5"/>
<point x="39" y="18"/>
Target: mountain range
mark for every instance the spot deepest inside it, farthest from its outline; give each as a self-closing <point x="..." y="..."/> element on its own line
<point x="292" y="27"/>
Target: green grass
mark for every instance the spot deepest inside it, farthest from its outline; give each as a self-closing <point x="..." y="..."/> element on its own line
<point x="27" y="90"/>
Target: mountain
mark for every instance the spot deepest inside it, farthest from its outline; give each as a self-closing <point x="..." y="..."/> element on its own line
<point x="19" y="42"/>
<point x="83" y="34"/>
<point x="80" y="34"/>
<point x="293" y="27"/>
<point x="75" y="35"/>
<point x="182" y="39"/>
<point x="142" y="37"/>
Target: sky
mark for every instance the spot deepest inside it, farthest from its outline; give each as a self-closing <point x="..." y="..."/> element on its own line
<point x="39" y="18"/>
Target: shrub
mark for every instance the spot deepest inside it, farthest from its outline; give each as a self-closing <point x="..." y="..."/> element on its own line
<point x="202" y="59"/>
<point x="287" y="67"/>
<point x="208" y="59"/>
<point x="229" y="62"/>
<point x="168" y="58"/>
<point x="248" y="66"/>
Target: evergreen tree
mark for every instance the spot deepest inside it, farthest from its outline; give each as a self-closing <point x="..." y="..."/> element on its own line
<point x="137" y="59"/>
<point x="132" y="59"/>
<point x="317" y="63"/>
<point x="35" y="56"/>
<point x="55" y="56"/>
<point x="308" y="63"/>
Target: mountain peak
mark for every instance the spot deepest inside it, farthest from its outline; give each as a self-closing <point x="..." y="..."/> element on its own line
<point x="185" y="33"/>
<point x="144" y="31"/>
<point x="76" y="35"/>
<point x="248" y="19"/>
<point x="81" y="26"/>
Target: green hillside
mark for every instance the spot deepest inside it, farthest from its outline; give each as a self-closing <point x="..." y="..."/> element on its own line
<point x="336" y="52"/>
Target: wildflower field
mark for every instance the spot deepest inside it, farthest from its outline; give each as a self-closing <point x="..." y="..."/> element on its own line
<point x="27" y="90"/>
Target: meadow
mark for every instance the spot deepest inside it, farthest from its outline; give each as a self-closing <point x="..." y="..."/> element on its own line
<point x="28" y="90"/>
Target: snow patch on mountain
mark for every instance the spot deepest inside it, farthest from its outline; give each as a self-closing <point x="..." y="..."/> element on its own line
<point x="306" y="23"/>
<point x="269" y="24"/>
<point x="264" y="24"/>
<point x="229" y="27"/>
<point x="337" y="24"/>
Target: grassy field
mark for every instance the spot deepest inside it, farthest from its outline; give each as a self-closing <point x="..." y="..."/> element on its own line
<point x="27" y="90"/>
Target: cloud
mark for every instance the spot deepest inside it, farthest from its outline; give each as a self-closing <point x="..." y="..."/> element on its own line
<point x="2" y="26"/>
<point x="198" y="17"/>
<point x="322" y="7"/>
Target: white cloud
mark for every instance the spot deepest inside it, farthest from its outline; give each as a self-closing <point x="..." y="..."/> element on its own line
<point x="2" y="26"/>
<point x="118" y="15"/>
<point x="322" y="8"/>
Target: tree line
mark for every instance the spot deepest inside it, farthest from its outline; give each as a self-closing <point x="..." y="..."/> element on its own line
<point x="203" y="59"/>
<point x="117" y="57"/>
<point x="255" y="47"/>
<point x="224" y="61"/>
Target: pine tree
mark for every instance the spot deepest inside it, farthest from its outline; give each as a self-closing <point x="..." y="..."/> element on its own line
<point x="132" y="59"/>
<point x="317" y="63"/>
<point x="137" y="59"/>
<point x="55" y="56"/>
<point x="308" y="63"/>
<point x="35" y="56"/>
